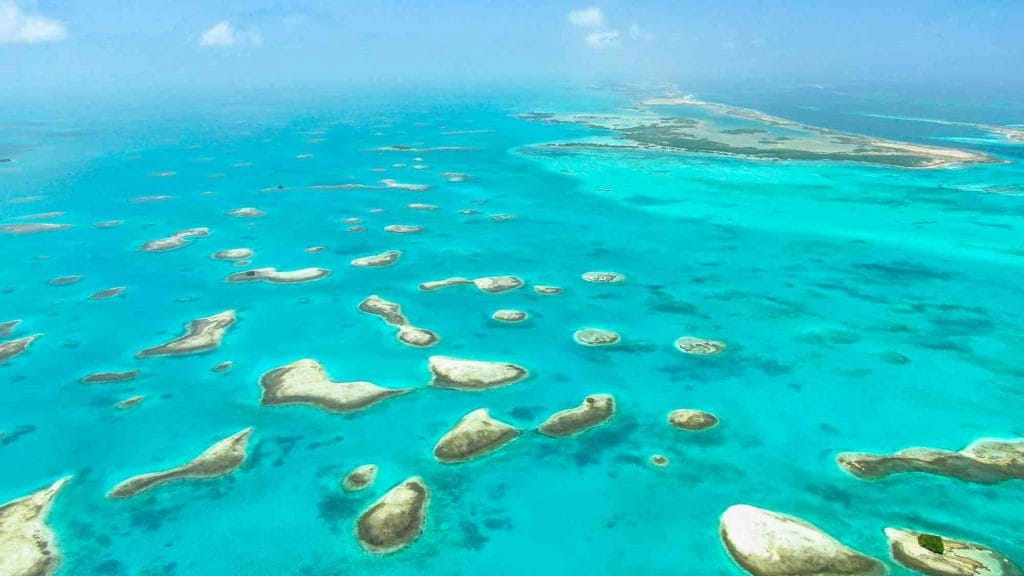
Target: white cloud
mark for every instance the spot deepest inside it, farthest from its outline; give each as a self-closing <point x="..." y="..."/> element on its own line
<point x="603" y="39"/>
<point x="293" y="22"/>
<point x="223" y="33"/>
<point x="591" y="17"/>
<point x="17" y="27"/>
<point x="637" y="32"/>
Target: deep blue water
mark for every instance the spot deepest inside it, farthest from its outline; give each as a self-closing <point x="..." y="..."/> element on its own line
<point x="865" y="308"/>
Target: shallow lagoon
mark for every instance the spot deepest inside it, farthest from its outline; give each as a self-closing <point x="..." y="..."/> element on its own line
<point x="865" y="309"/>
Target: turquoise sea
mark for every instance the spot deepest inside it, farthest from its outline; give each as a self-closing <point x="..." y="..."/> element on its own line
<point x="865" y="308"/>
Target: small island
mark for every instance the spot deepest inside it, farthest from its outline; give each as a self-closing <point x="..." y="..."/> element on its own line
<point x="7" y="328"/>
<point x="275" y="276"/>
<point x="985" y="461"/>
<point x="767" y="543"/>
<point x="129" y="402"/>
<point x="233" y="254"/>
<point x="360" y="478"/>
<point x="699" y="346"/>
<point x="596" y="337"/>
<point x="247" y="212"/>
<point x="498" y="284"/>
<point x="65" y="280"/>
<point x="200" y="335"/>
<point x="595" y="410"/>
<point x="176" y="240"/>
<point x="107" y="293"/>
<point x="307" y="382"/>
<point x="13" y="348"/>
<point x="604" y="277"/>
<point x="108" y="377"/>
<point x="437" y="284"/>
<point x="473" y="375"/>
<point x="420" y="206"/>
<point x="942" y="556"/>
<point x="391" y="313"/>
<point x="396" y="519"/>
<point x="377" y="260"/>
<point x="35" y="228"/>
<point x="510" y="316"/>
<point x="475" y="435"/>
<point x="692" y="420"/>
<point x="489" y="284"/>
<point x="221" y="459"/>
<point x="403" y="229"/>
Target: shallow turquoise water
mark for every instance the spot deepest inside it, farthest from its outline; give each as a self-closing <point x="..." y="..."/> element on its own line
<point x="865" y="309"/>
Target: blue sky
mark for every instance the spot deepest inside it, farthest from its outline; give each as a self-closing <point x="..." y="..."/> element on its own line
<point x="98" y="42"/>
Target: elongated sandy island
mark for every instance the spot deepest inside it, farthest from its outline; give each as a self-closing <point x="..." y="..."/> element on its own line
<point x="200" y="335"/>
<point x="275" y="276"/>
<point x="985" y="461"/>
<point x="222" y="458"/>
<point x="12" y="348"/>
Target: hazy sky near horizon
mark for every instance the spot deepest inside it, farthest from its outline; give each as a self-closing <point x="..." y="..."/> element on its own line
<point x="215" y="42"/>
